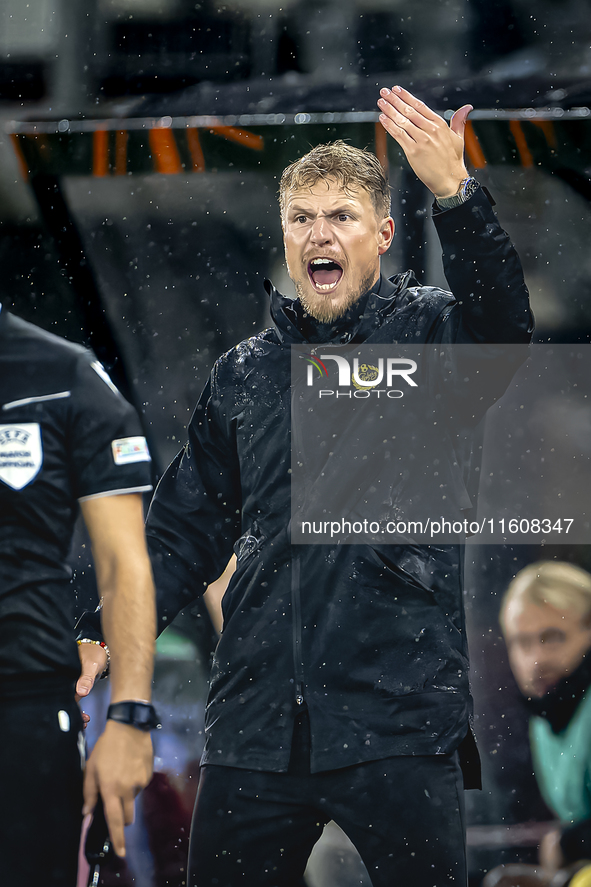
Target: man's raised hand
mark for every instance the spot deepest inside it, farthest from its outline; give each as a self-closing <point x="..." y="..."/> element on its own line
<point x="434" y="150"/>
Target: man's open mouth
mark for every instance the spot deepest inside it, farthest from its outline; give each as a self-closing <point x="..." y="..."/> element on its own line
<point x="324" y="273"/>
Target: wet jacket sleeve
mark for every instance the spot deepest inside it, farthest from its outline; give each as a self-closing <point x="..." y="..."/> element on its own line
<point x="194" y="518"/>
<point x="484" y="274"/>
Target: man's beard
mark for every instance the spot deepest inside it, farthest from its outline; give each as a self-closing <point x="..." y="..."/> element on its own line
<point x="321" y="308"/>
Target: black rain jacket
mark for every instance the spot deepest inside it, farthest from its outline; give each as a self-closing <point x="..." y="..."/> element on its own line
<point x="371" y="639"/>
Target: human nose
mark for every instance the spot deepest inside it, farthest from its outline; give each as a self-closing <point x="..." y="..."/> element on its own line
<point x="321" y="231"/>
<point x="534" y="653"/>
<point x="542" y="660"/>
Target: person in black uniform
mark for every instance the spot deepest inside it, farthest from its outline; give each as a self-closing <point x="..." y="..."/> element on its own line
<point x="66" y="437"/>
<point x="339" y="686"/>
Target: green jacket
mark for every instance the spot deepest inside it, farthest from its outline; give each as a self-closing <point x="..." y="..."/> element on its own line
<point x="562" y="763"/>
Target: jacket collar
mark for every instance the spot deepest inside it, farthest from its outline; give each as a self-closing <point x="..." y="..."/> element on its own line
<point x="294" y="326"/>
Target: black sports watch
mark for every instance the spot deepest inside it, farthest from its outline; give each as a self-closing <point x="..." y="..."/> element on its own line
<point x="467" y="188"/>
<point x="137" y="714"/>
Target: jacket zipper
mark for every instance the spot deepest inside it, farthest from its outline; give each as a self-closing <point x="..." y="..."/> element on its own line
<point x="298" y="664"/>
<point x="296" y="603"/>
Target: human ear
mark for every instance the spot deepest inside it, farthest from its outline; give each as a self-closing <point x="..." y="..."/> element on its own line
<point x="385" y="235"/>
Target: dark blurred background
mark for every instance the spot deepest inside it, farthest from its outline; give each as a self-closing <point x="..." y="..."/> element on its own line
<point x="131" y="223"/>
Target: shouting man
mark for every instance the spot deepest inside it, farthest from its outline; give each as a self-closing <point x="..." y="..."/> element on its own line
<point x="339" y="687"/>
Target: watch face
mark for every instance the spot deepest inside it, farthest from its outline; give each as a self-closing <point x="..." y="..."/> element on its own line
<point x="144" y="717"/>
<point x="469" y="187"/>
<point x="138" y="714"/>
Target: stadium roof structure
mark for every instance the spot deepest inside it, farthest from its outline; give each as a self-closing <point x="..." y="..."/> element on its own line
<point x="263" y="124"/>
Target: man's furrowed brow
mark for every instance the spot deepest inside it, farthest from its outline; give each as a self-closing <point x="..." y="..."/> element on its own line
<point x="296" y="209"/>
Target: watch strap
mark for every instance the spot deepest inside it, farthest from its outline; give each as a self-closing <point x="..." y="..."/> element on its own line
<point x="137" y="714"/>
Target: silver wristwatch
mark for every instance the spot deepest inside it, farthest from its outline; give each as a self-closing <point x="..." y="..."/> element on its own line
<point x="467" y="188"/>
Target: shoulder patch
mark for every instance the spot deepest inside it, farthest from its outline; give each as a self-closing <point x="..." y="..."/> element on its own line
<point x="21" y="454"/>
<point x="130" y="449"/>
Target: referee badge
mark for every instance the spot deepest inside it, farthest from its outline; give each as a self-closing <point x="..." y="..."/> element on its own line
<point x="130" y="449"/>
<point x="21" y="454"/>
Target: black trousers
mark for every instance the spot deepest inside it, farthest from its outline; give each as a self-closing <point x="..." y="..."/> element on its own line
<point x="40" y="783"/>
<point x="405" y="815"/>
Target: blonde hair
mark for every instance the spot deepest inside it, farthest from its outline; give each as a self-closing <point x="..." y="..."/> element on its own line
<point x="561" y="585"/>
<point x="353" y="169"/>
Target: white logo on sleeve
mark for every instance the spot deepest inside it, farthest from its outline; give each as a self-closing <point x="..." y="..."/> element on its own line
<point x="100" y="371"/>
<point x="130" y="449"/>
<point x="21" y="454"/>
